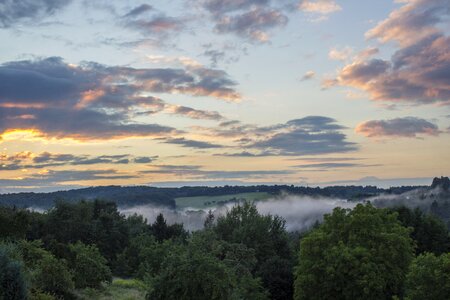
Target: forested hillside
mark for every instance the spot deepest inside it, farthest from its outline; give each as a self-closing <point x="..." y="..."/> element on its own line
<point x="142" y="195"/>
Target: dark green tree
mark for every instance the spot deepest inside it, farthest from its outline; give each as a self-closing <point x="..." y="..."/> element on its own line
<point x="362" y="253"/>
<point x="429" y="277"/>
<point x="267" y="236"/>
<point x="429" y="232"/>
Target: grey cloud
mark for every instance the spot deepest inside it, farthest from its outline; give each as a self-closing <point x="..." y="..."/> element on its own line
<point x="26" y="160"/>
<point x="332" y="165"/>
<point x="196" y="113"/>
<point x="399" y="127"/>
<point x="196" y="172"/>
<point x="56" y="177"/>
<point x="214" y="55"/>
<point x="13" y="12"/>
<point x="235" y="122"/>
<point x="219" y="7"/>
<point x="138" y="10"/>
<point x="249" y="19"/>
<point x="190" y="143"/>
<point x="143" y="160"/>
<point x="308" y="75"/>
<point x="159" y="24"/>
<point x="253" y="24"/>
<point x="310" y="135"/>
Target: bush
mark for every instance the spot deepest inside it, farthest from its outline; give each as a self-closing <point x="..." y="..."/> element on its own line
<point x="89" y="266"/>
<point x="53" y="276"/>
<point x="12" y="281"/>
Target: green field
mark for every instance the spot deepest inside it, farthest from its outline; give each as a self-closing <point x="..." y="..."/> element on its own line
<point x="210" y="201"/>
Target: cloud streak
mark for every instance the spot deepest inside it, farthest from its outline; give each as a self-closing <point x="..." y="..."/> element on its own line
<point x="29" y="160"/>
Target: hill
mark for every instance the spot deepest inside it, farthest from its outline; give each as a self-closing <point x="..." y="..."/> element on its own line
<point x="126" y="196"/>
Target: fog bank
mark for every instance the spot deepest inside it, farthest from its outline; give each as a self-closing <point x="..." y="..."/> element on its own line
<point x="300" y="212"/>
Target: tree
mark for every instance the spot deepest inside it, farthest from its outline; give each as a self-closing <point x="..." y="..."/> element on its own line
<point x="193" y="275"/>
<point x="162" y="231"/>
<point x="267" y="236"/>
<point x="429" y="232"/>
<point x="53" y="276"/>
<point x="89" y="266"/>
<point x="12" y="280"/>
<point x="362" y="253"/>
<point x="429" y="277"/>
<point x="264" y="233"/>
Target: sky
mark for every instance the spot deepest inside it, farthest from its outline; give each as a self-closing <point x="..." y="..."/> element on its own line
<point x="214" y="92"/>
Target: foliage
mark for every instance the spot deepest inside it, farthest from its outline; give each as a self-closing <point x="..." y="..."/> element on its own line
<point x="12" y="279"/>
<point x="89" y="266"/>
<point x="267" y="236"/>
<point x="362" y="253"/>
<point x="429" y="277"/>
<point x="429" y="232"/>
<point x="96" y="222"/>
<point x="53" y="276"/>
<point x="192" y="276"/>
<point x="161" y="231"/>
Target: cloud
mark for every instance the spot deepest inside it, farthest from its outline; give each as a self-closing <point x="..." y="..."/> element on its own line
<point x="308" y="75"/>
<point x="252" y="25"/>
<point x="305" y="136"/>
<point x="152" y="22"/>
<point x="418" y="71"/>
<point x="322" y="7"/>
<point x="196" y="172"/>
<point x="190" y="143"/>
<point x="250" y="19"/>
<point x="399" y="127"/>
<point x="309" y="135"/>
<point x="13" y="12"/>
<point x="138" y="10"/>
<point x="93" y="101"/>
<point x="157" y="25"/>
<point x="414" y="21"/>
<point x="195" y="113"/>
<point x="219" y="7"/>
<point x="29" y="160"/>
<point x="342" y="54"/>
<point x="57" y="177"/>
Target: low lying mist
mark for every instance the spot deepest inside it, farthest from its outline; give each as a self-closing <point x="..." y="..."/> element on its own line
<point x="300" y="212"/>
<point x="419" y="198"/>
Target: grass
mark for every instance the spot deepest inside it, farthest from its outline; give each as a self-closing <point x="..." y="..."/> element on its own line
<point x="210" y="201"/>
<point x="120" y="289"/>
